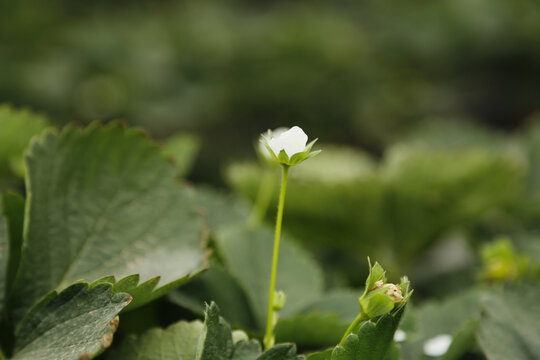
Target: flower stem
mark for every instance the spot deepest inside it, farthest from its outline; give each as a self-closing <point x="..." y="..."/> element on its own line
<point x="269" y="337"/>
<point x="361" y="317"/>
<point x="264" y="196"/>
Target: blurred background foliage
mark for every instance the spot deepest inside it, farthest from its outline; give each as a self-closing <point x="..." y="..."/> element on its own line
<point x="351" y="72"/>
<point x="425" y="110"/>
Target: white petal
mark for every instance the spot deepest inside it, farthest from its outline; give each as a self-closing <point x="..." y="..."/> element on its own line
<point x="292" y="141"/>
<point x="275" y="145"/>
<point x="262" y="147"/>
<point x="438" y="345"/>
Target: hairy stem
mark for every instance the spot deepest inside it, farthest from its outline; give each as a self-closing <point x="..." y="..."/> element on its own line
<point x="269" y="337"/>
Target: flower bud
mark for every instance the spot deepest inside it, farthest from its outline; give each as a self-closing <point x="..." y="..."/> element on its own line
<point x="279" y="300"/>
<point x="394" y="292"/>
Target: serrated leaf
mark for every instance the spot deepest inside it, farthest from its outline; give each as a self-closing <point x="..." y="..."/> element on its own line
<point x="247" y="254"/>
<point x="197" y="341"/>
<point x="103" y="201"/>
<point x="371" y="341"/>
<point x="178" y="342"/>
<point x="216" y="339"/>
<point x="509" y="326"/>
<point x="77" y="323"/>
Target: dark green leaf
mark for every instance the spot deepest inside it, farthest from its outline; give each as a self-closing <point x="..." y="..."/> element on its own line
<point x="13" y="205"/>
<point x="371" y="341"/>
<point x="195" y="341"/>
<point x="280" y="352"/>
<point x="103" y="201"/>
<point x="216" y="340"/>
<point x="77" y="323"/>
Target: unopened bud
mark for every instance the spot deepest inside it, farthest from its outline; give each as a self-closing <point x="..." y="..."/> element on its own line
<point x="394" y="292"/>
<point x="279" y="300"/>
<point x="378" y="284"/>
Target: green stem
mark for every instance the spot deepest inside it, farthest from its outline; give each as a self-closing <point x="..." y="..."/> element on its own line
<point x="268" y="339"/>
<point x="2" y="356"/>
<point x="361" y="317"/>
<point x="264" y="196"/>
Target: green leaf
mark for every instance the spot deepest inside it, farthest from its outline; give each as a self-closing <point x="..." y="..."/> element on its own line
<point x="321" y="355"/>
<point x="371" y="341"/>
<point x="280" y="352"/>
<point x="77" y="323"/>
<point x="219" y="286"/>
<point x="181" y="149"/>
<point x="453" y="316"/>
<point x="103" y="201"/>
<point x="178" y="342"/>
<point x="221" y="209"/>
<point x="321" y="323"/>
<point x="509" y="326"/>
<point x="312" y="330"/>
<point x="196" y="341"/>
<point x="247" y="255"/>
<point x="18" y="127"/>
<point x="217" y="342"/>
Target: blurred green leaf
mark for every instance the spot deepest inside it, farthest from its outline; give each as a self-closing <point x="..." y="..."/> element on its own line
<point x="509" y="325"/>
<point x="216" y="285"/>
<point x="247" y="255"/>
<point x="182" y="149"/>
<point x="454" y="316"/>
<point x="221" y="209"/>
<point x="312" y="330"/>
<point x="103" y="201"/>
<point x="76" y="323"/>
<point x="18" y="127"/>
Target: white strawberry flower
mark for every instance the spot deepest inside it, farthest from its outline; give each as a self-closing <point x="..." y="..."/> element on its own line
<point x="289" y="147"/>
